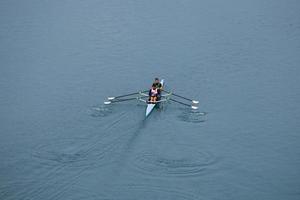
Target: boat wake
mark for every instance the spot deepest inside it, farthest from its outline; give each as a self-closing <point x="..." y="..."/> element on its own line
<point x="71" y="153"/>
<point x="40" y="190"/>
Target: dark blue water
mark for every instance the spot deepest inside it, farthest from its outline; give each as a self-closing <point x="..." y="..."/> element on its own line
<point x="59" y="60"/>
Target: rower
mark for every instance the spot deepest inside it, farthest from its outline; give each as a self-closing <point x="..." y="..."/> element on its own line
<point x="157" y="83"/>
<point x="159" y="87"/>
<point x="153" y="94"/>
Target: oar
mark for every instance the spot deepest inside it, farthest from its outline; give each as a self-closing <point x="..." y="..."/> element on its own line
<point x="176" y="95"/>
<point x="185" y="104"/>
<point x="125" y="95"/>
<point x="118" y="100"/>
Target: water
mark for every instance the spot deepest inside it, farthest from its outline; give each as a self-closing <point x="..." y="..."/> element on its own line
<point x="59" y="60"/>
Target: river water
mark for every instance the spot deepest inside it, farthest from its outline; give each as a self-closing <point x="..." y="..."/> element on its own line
<point x="59" y="60"/>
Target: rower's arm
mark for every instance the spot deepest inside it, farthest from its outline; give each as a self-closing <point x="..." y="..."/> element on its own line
<point x="161" y="87"/>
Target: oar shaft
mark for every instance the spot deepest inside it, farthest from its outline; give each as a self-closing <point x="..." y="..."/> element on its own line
<point x="185" y="104"/>
<point x="120" y="100"/>
<point x="176" y="95"/>
<point x="126" y="95"/>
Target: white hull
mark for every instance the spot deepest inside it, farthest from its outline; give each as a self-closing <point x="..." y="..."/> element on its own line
<point x="151" y="106"/>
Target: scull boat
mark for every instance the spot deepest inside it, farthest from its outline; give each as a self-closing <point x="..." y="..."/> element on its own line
<point x="143" y="96"/>
<point x="150" y="106"/>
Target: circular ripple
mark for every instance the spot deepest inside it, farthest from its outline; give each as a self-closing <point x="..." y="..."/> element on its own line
<point x="72" y="152"/>
<point x="185" y="162"/>
<point x="193" y="116"/>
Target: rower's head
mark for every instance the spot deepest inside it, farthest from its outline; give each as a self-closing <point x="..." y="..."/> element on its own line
<point x="153" y="86"/>
<point x="156" y="80"/>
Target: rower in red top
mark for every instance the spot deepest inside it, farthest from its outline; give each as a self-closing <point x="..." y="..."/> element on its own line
<point x="154" y="93"/>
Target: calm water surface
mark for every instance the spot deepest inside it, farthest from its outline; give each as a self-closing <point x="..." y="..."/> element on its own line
<point x="59" y="60"/>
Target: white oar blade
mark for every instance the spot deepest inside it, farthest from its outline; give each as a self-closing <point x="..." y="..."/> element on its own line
<point x="107" y="102"/>
<point x="194" y="107"/>
<point x="110" y="98"/>
<point x="195" y="102"/>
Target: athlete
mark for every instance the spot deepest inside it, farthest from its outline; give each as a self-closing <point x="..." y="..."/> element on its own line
<point x="157" y="84"/>
<point x="153" y="94"/>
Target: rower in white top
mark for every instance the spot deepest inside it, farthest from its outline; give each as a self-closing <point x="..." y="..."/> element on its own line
<point x="155" y="91"/>
<point x="154" y="97"/>
<point x="153" y="94"/>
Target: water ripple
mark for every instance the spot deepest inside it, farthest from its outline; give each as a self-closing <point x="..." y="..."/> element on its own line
<point x="185" y="163"/>
<point x="146" y="192"/>
<point x="34" y="190"/>
<point x="72" y="152"/>
<point x="10" y="190"/>
<point x="193" y="116"/>
<point x="100" y="111"/>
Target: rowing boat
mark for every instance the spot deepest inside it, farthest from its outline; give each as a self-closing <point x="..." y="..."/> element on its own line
<point x="151" y="106"/>
<point x="143" y="96"/>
